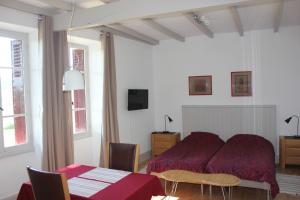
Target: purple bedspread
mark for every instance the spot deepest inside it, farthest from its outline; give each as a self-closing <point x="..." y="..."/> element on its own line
<point x="192" y="153"/>
<point x="249" y="157"/>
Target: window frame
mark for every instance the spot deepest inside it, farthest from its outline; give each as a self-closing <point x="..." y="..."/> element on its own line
<point x="87" y="133"/>
<point x="27" y="147"/>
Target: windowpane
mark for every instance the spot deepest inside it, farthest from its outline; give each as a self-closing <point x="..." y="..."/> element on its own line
<point x="5" y="52"/>
<point x="79" y="99"/>
<point x="77" y="61"/>
<point x="12" y="97"/>
<point x="14" y="130"/>
<point x="12" y="91"/>
<point x="18" y="92"/>
<point x="79" y="119"/>
<point x="6" y="91"/>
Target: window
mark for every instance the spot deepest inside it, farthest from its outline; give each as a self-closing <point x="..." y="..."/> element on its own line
<point x="78" y="60"/>
<point x="14" y="128"/>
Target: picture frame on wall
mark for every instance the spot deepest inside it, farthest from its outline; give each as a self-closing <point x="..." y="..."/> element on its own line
<point x="241" y="83"/>
<point x="200" y="85"/>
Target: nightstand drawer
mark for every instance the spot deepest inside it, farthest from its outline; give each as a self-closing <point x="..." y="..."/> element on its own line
<point x="293" y="160"/>
<point x="159" y="151"/>
<point x="293" y="151"/>
<point x="165" y="138"/>
<point x="292" y="143"/>
<point x="289" y="151"/>
<point x="163" y="144"/>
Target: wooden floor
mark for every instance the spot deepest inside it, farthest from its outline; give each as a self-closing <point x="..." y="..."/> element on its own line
<point x="290" y="169"/>
<point x="193" y="192"/>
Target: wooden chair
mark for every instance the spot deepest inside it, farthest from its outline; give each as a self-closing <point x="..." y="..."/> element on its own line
<point x="48" y="186"/>
<point x="123" y="156"/>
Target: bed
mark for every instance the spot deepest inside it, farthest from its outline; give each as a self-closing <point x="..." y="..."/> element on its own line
<point x="192" y="153"/>
<point x="249" y="157"/>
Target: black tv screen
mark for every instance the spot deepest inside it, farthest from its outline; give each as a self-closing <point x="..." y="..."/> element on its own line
<point x="137" y="99"/>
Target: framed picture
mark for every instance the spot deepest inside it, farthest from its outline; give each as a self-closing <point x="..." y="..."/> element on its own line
<point x="200" y="85"/>
<point x="241" y="83"/>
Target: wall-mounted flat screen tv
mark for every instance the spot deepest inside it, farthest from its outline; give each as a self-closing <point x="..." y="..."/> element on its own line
<point x="137" y="99"/>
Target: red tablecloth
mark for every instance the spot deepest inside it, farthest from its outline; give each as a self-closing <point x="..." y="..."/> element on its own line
<point x="132" y="187"/>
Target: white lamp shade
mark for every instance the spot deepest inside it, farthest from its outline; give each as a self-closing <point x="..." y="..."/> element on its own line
<point x="73" y="80"/>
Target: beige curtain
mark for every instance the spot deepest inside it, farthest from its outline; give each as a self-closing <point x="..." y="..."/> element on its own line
<point x="110" y="132"/>
<point x="58" y="149"/>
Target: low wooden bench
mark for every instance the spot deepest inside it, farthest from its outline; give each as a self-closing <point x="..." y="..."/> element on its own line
<point x="183" y="176"/>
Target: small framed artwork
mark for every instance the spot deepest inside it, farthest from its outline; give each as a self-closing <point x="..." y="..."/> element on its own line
<point x="241" y="83"/>
<point x="200" y="85"/>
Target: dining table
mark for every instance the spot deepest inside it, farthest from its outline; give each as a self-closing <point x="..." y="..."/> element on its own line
<point x="95" y="183"/>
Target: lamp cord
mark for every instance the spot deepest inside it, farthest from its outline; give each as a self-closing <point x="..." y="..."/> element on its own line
<point x="72" y="15"/>
<point x="165" y="123"/>
<point x="71" y="25"/>
<point x="296" y="116"/>
<point x="297" y="125"/>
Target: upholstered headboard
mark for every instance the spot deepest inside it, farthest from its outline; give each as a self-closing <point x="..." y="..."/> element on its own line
<point x="227" y="120"/>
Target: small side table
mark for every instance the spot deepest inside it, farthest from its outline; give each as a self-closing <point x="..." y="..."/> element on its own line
<point x="289" y="151"/>
<point x="160" y="142"/>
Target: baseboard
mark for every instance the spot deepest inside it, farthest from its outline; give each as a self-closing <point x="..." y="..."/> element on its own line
<point x="10" y="197"/>
<point x="145" y="157"/>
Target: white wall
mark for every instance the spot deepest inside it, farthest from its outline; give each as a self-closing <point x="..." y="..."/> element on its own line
<point x="273" y="58"/>
<point x="11" y="17"/>
<point x="134" y="71"/>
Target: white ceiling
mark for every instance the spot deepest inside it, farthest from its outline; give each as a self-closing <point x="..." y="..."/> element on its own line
<point x="253" y="17"/>
<point x="86" y="3"/>
<point x="79" y="3"/>
<point x="36" y="3"/>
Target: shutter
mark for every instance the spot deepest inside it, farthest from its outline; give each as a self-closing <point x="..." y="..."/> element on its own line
<point x="79" y="95"/>
<point x="18" y="90"/>
<point x="16" y="53"/>
<point x="78" y="59"/>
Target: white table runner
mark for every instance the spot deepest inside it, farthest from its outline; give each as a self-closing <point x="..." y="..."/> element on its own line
<point x="105" y="175"/>
<point x="84" y="187"/>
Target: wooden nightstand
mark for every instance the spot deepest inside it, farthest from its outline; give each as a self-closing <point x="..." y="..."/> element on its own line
<point x="289" y="151"/>
<point x="161" y="142"/>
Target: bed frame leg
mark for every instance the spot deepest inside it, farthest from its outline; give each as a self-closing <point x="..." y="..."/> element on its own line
<point x="202" y="189"/>
<point x="269" y="196"/>
<point x="231" y="192"/>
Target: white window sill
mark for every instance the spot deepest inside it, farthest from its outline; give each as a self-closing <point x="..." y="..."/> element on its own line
<point x="79" y="136"/>
<point x="16" y="150"/>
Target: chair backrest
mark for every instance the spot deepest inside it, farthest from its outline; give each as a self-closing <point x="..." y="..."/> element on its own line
<point x="123" y="156"/>
<point x="48" y="186"/>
